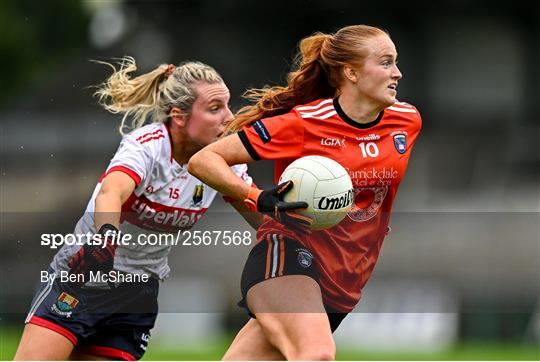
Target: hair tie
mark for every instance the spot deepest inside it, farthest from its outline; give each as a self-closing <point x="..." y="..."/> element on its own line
<point x="170" y="70"/>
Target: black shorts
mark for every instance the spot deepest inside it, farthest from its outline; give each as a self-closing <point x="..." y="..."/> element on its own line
<point x="276" y="256"/>
<point x="113" y="323"/>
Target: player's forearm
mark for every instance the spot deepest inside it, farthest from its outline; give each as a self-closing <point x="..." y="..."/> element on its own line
<point x="107" y="208"/>
<point x="254" y="219"/>
<point x="213" y="170"/>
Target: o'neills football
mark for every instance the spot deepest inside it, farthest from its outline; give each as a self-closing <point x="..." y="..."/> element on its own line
<point x="325" y="185"/>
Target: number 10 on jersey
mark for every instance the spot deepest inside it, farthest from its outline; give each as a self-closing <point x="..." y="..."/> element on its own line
<point x="369" y="149"/>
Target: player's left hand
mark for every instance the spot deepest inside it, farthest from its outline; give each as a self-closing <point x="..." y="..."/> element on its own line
<point x="98" y="257"/>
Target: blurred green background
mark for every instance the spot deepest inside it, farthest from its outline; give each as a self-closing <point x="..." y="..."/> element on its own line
<point x="215" y="350"/>
<point x="458" y="278"/>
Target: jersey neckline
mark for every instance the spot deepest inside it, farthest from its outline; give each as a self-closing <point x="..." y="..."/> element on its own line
<point x="351" y="121"/>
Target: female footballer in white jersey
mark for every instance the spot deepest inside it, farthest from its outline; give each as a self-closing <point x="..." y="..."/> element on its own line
<point x="145" y="187"/>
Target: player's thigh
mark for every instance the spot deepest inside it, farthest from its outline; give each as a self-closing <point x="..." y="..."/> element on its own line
<point x="39" y="343"/>
<point x="250" y="344"/>
<point x="293" y="318"/>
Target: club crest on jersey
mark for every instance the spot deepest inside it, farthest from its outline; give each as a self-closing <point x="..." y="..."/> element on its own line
<point x="400" y="143"/>
<point x="65" y="304"/>
<point x="197" y="195"/>
<point x="305" y="259"/>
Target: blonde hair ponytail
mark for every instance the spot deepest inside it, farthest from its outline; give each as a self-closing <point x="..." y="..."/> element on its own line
<point x="150" y="96"/>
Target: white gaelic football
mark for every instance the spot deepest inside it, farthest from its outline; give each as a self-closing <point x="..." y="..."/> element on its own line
<point x="324" y="184"/>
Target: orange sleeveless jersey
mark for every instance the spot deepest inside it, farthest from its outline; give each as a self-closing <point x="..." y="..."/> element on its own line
<point x="375" y="155"/>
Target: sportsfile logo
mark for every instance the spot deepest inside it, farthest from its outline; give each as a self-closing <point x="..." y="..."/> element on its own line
<point x="336" y="202"/>
<point x="333" y="142"/>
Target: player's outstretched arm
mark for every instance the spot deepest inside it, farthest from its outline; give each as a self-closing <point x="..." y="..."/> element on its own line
<point x="212" y="166"/>
<point x="115" y="190"/>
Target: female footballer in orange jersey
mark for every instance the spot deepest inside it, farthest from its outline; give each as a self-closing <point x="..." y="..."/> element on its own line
<point x="299" y="286"/>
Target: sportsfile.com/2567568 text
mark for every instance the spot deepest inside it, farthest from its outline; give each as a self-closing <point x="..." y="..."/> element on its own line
<point x="181" y="238"/>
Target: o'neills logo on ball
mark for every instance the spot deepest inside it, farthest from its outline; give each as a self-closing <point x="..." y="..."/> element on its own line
<point x="336" y="202"/>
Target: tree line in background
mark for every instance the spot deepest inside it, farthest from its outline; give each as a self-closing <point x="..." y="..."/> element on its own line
<point x="33" y="36"/>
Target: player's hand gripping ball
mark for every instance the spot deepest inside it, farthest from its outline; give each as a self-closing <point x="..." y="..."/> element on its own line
<point x="324" y="185"/>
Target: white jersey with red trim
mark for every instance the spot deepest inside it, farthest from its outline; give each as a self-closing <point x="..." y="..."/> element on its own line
<point x="166" y="199"/>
